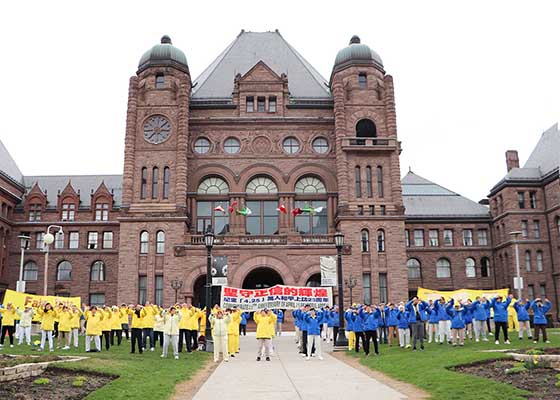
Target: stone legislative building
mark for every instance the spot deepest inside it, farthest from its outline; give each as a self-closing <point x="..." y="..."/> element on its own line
<point x="274" y="159"/>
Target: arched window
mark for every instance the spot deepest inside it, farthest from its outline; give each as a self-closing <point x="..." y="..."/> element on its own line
<point x="214" y="186"/>
<point x="558" y="224"/>
<point x="160" y="242"/>
<point x="470" y="268"/>
<point x="155" y="177"/>
<point x="380" y="240"/>
<point x="414" y="271"/>
<point x="310" y="185"/>
<point x="261" y="185"/>
<point x="144" y="239"/>
<point x="314" y="280"/>
<point x="380" y="181"/>
<point x="369" y="182"/>
<point x="539" y="261"/>
<point x="365" y="240"/>
<point x="358" y="180"/>
<point x="64" y="271"/>
<point x="443" y="268"/>
<point x="485" y="267"/>
<point x="166" y="182"/>
<point x="366" y="128"/>
<point x="30" y="271"/>
<point x="527" y="261"/>
<point x="97" y="272"/>
<point x="144" y="183"/>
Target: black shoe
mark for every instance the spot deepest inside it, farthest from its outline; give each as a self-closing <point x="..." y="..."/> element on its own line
<point x="267" y="358"/>
<point x="258" y="358"/>
<point x="422" y="348"/>
<point x="232" y="355"/>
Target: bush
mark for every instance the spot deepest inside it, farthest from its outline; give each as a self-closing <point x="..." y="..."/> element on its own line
<point x="42" y="381"/>
<point x="516" y="370"/>
<point x="535" y="352"/>
<point x="79" y="381"/>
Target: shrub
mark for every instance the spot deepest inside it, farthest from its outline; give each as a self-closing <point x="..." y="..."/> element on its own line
<point x="516" y="370"/>
<point x="42" y="381"/>
<point x="79" y="381"/>
<point x="534" y="352"/>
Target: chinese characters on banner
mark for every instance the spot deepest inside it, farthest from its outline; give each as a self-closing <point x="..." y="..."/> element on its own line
<point x="279" y="296"/>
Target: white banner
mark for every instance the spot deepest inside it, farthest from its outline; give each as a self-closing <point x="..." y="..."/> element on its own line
<point x="219" y="271"/>
<point x="328" y="271"/>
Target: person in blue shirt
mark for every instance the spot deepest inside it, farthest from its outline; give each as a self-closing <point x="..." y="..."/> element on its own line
<point x="539" y="317"/>
<point x="313" y="320"/>
<point x="335" y="322"/>
<point x="243" y="324"/>
<point x="403" y="317"/>
<point x="480" y="309"/>
<point x="279" y="320"/>
<point x="433" y="322"/>
<point x="391" y="312"/>
<point x="382" y="324"/>
<point x="417" y="315"/>
<point x="358" y="328"/>
<point x="501" y="316"/>
<point x="296" y="327"/>
<point x="523" y="320"/>
<point x="444" y="324"/>
<point x="457" y="314"/>
<point x="370" y="320"/>
<point x="350" y="334"/>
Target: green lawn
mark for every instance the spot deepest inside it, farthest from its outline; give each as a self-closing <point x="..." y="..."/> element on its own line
<point x="429" y="369"/>
<point x="140" y="376"/>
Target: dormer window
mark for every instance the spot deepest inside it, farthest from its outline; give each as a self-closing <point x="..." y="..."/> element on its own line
<point x="34" y="212"/>
<point x="362" y="81"/>
<point x="102" y="211"/>
<point x="160" y="81"/>
<point x="261" y="104"/>
<point x="272" y="104"/>
<point x="250" y="102"/>
<point x="68" y="210"/>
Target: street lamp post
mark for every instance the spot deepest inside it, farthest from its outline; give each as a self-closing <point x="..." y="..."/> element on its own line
<point x="351" y="283"/>
<point x="24" y="240"/>
<point x="176" y="284"/>
<point x="209" y="243"/>
<point x="341" y="340"/>
<point x="48" y="239"/>
<point x="519" y="285"/>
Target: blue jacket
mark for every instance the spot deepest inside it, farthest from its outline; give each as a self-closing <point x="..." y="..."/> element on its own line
<point x="480" y="310"/>
<point x="501" y="310"/>
<point x="457" y="316"/>
<point x="522" y="311"/>
<point x="422" y="306"/>
<point x="403" y="317"/>
<point x="358" y="323"/>
<point x="539" y="312"/>
<point x="279" y="315"/>
<point x="334" y="319"/>
<point x="432" y="315"/>
<point x="300" y="317"/>
<point x="244" y="317"/>
<point x="382" y="319"/>
<point x="314" y="324"/>
<point x="391" y="316"/>
<point x="349" y="321"/>
<point x="468" y="314"/>
<point x="370" y="321"/>
<point x="441" y="312"/>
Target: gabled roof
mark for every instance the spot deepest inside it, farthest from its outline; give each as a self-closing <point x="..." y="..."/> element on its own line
<point x="423" y="198"/>
<point x="8" y="166"/>
<point x="216" y="81"/>
<point x="546" y="154"/>
<point x="85" y="185"/>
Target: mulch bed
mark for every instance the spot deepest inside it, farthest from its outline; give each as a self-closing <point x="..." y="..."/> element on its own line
<point x="540" y="382"/>
<point x="59" y="388"/>
<point x="549" y="351"/>
<point x="11" y="361"/>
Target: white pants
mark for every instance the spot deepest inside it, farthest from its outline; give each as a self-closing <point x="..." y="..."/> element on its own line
<point x="263" y="345"/>
<point x="44" y="336"/>
<point x="325" y="331"/>
<point x="432" y="332"/>
<point x="278" y="328"/>
<point x="444" y="330"/>
<point x="24" y="332"/>
<point x="174" y="340"/>
<point x="311" y="340"/>
<point x="330" y="335"/>
<point x="524" y="326"/>
<point x="96" y="340"/>
<point x="73" y="333"/>
<point x="404" y="337"/>
<point x="220" y="346"/>
<point x="479" y="328"/>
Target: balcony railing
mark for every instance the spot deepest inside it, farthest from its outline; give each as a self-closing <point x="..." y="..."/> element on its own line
<point x="266" y="240"/>
<point x="363" y="144"/>
<point x="263" y="240"/>
<point x="317" y="239"/>
<point x="199" y="240"/>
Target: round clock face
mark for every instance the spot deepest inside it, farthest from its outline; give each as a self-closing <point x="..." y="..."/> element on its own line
<point x="157" y="129"/>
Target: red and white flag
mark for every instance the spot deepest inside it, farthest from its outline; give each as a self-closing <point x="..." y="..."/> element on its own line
<point x="282" y="209"/>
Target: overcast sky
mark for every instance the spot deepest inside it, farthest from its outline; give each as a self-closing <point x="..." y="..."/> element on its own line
<point x="472" y="78"/>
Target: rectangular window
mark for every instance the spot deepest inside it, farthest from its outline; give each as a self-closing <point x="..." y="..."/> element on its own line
<point x="369" y="182"/>
<point x="382" y="210"/>
<point x="263" y="219"/>
<point x="360" y="210"/>
<point x="467" y="237"/>
<point x="362" y="82"/>
<point x="536" y="229"/>
<point x="166" y="183"/>
<point x="533" y="199"/>
<point x="92" y="240"/>
<point x="102" y="212"/>
<point x="542" y="291"/>
<point x="59" y="240"/>
<point x="142" y="286"/>
<point x="160" y="81"/>
<point x="74" y="240"/>
<point x="366" y="285"/>
<point x="483" y="237"/>
<point x="272" y="104"/>
<point x="524" y="229"/>
<point x="521" y="199"/>
<point x="371" y="210"/>
<point x="97" y="299"/>
<point x="448" y="237"/>
<point x="358" y="181"/>
<point x="383" y="292"/>
<point x="531" y="292"/>
<point x="34" y="212"/>
<point x="39" y="240"/>
<point x="418" y="237"/>
<point x="250" y="103"/>
<point x="433" y="236"/>
<point x="539" y="261"/>
<point x="407" y="238"/>
<point x="260" y="104"/>
<point x="68" y="211"/>
<point x="208" y="217"/>
<point x="159" y="290"/>
<point x="527" y="261"/>
<point x="144" y="183"/>
<point x="380" y="181"/>
<point x="107" y="240"/>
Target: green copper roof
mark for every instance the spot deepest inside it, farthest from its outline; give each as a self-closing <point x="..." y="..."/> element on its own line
<point x="164" y="54"/>
<point x="357" y="53"/>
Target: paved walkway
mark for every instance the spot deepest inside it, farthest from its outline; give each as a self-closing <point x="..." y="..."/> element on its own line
<point x="289" y="376"/>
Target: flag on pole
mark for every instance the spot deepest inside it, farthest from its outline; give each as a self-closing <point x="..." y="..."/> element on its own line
<point x="312" y="210"/>
<point x="282" y="209"/>
<point x="297" y="211"/>
<point x="220" y="209"/>
<point x="245" y="211"/>
<point x="231" y="207"/>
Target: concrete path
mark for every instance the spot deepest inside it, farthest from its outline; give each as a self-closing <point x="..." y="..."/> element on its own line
<point x="290" y="376"/>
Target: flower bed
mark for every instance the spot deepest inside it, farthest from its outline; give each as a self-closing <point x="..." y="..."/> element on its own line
<point x="548" y="357"/>
<point x="18" y="367"/>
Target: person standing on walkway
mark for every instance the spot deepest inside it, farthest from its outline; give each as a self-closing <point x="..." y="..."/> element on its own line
<point x="279" y="320"/>
<point x="219" y="323"/>
<point x="480" y="308"/>
<point x="314" y="320"/>
<point x="370" y="322"/>
<point x="522" y="311"/>
<point x="350" y="334"/>
<point x="539" y="317"/>
<point x="334" y="320"/>
<point x="171" y="321"/>
<point x="501" y="316"/>
<point x="243" y="324"/>
<point x="265" y="320"/>
<point x="417" y="316"/>
<point x="233" y="331"/>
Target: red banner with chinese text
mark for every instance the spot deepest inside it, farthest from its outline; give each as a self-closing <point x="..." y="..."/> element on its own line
<point x="279" y="296"/>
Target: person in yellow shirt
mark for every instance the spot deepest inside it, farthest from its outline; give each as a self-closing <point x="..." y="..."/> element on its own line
<point x="94" y="319"/>
<point x="233" y="331"/>
<point x="47" y="315"/>
<point x="25" y="322"/>
<point x="64" y="326"/>
<point x="148" y="320"/>
<point x="219" y="323"/>
<point x="187" y="312"/>
<point x="116" y="325"/>
<point x="266" y="321"/>
<point x="124" y="320"/>
<point x="513" y="323"/>
<point x="74" y="326"/>
<point x="8" y="323"/>
<point x="135" y="327"/>
<point x="106" y="327"/>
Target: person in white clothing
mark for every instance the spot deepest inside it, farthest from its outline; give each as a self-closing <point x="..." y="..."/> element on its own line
<point x="219" y="323"/>
<point x="25" y="322"/>
<point x="171" y="319"/>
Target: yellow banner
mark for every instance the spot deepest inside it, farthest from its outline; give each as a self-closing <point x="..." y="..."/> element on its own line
<point x="461" y="294"/>
<point x="21" y="299"/>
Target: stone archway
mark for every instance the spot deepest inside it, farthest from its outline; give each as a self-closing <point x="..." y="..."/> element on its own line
<point x="246" y="267"/>
<point x="262" y="278"/>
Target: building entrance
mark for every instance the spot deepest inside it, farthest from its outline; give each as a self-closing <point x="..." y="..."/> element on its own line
<point x="261" y="278"/>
